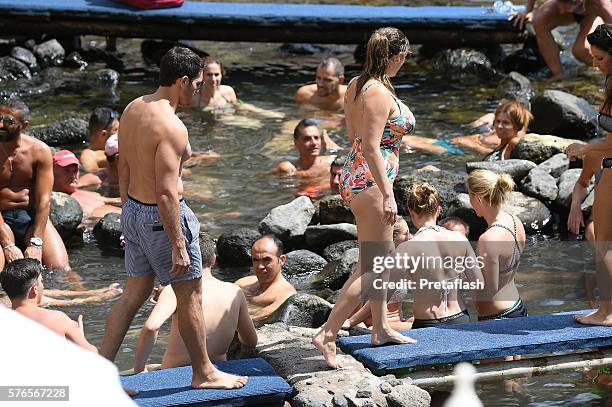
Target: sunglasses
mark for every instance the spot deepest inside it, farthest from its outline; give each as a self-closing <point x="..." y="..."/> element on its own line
<point x="112" y="115"/>
<point x="8" y="121"/>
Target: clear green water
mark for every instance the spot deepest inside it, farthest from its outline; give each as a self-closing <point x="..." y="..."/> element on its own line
<point x="238" y="191"/>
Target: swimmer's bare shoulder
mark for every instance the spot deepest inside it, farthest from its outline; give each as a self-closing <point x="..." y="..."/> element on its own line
<point x="246" y="281"/>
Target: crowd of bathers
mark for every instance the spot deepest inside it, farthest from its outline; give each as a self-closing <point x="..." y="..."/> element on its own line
<point x="30" y="171"/>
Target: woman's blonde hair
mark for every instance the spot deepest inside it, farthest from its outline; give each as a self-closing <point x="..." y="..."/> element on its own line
<point x="382" y="45"/>
<point x="423" y="198"/>
<point x="491" y="186"/>
<point x="519" y="115"/>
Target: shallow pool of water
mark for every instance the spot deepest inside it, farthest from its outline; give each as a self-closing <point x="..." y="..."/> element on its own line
<point x="238" y="191"/>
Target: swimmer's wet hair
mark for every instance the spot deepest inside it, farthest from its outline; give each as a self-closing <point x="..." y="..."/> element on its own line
<point x="179" y="62"/>
<point x="208" y="248"/>
<point x="19" y="107"/>
<point x="455" y="220"/>
<point x="339" y="161"/>
<point x="423" y="198"/>
<point x="383" y="44"/>
<point x="19" y="276"/>
<point x="302" y="125"/>
<point x="601" y="38"/>
<point x="101" y="118"/>
<point x="277" y="242"/>
<point x="519" y="114"/>
<point x="335" y="63"/>
<point x="489" y="185"/>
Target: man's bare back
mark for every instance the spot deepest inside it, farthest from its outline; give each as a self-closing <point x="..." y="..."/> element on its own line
<point x="225" y="312"/>
<point x="144" y="123"/>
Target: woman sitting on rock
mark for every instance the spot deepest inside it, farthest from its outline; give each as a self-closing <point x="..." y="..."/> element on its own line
<point x="499" y="247"/>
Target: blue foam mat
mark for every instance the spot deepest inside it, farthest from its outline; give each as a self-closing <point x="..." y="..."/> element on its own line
<point x="480" y="340"/>
<point x="172" y="387"/>
<point x="268" y="13"/>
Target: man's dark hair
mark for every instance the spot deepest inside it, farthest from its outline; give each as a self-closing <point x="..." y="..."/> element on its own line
<point x="21" y="109"/>
<point x="207" y="247"/>
<point x="302" y="125"/>
<point x="101" y="118"/>
<point x="179" y="62"/>
<point x="277" y="242"/>
<point x="335" y="63"/>
<point x="19" y="276"/>
<point x="338" y="162"/>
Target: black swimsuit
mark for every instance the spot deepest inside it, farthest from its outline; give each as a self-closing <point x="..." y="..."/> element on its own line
<point x="518" y="309"/>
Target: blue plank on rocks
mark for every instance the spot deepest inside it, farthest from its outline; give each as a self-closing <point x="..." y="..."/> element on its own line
<point x="172" y="387"/>
<point x="531" y="335"/>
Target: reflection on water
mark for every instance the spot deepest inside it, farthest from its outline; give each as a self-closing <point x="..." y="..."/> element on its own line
<point x="238" y="190"/>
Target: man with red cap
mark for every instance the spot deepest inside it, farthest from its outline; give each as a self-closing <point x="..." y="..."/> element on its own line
<point x="66" y="179"/>
<point x="26" y="179"/>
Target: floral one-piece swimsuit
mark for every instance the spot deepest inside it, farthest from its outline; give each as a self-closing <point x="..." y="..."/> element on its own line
<point x="356" y="175"/>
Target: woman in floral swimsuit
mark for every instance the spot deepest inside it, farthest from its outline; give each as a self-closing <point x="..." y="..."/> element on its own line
<point x="376" y="120"/>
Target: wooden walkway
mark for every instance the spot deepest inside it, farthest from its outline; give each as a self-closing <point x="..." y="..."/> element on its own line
<point x="257" y="22"/>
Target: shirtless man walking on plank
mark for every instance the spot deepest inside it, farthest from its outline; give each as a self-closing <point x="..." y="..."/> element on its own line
<point x="161" y="232"/>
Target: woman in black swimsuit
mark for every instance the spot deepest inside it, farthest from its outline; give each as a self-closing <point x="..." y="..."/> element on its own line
<point x="499" y="247"/>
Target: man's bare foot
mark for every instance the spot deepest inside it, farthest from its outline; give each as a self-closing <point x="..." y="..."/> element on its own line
<point x="327" y="346"/>
<point x="130" y="392"/>
<point x="598" y="317"/>
<point x="217" y="379"/>
<point x="390" y="336"/>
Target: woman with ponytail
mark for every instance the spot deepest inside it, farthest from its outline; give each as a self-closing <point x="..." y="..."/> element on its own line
<point x="597" y="161"/>
<point x="499" y="247"/>
<point x="376" y="122"/>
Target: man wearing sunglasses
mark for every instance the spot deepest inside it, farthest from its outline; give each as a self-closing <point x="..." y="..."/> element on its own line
<point x="103" y="123"/>
<point x="554" y="13"/>
<point x="26" y="179"/>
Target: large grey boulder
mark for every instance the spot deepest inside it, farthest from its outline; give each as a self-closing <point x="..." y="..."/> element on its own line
<point x="50" y="53"/>
<point x="539" y="147"/>
<point x="303" y="262"/>
<point x="108" y="230"/>
<point x="448" y="184"/>
<point x="63" y="133"/>
<point x="12" y="69"/>
<point x="515" y="86"/>
<point x="25" y="55"/>
<point x="302" y="309"/>
<point x="566" y="184"/>
<point x="408" y="395"/>
<point x="320" y="236"/>
<point x="465" y="64"/>
<point x="336" y="250"/>
<point x="289" y="222"/>
<point x="533" y="213"/>
<point x="540" y="185"/>
<point x="332" y="209"/>
<point x="336" y="272"/>
<point x="234" y="248"/>
<point x="555" y="165"/>
<point x="65" y="214"/>
<point x="517" y="169"/>
<point x="565" y="115"/>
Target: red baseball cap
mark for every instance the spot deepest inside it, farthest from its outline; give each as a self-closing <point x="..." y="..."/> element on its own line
<point x="64" y="158"/>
